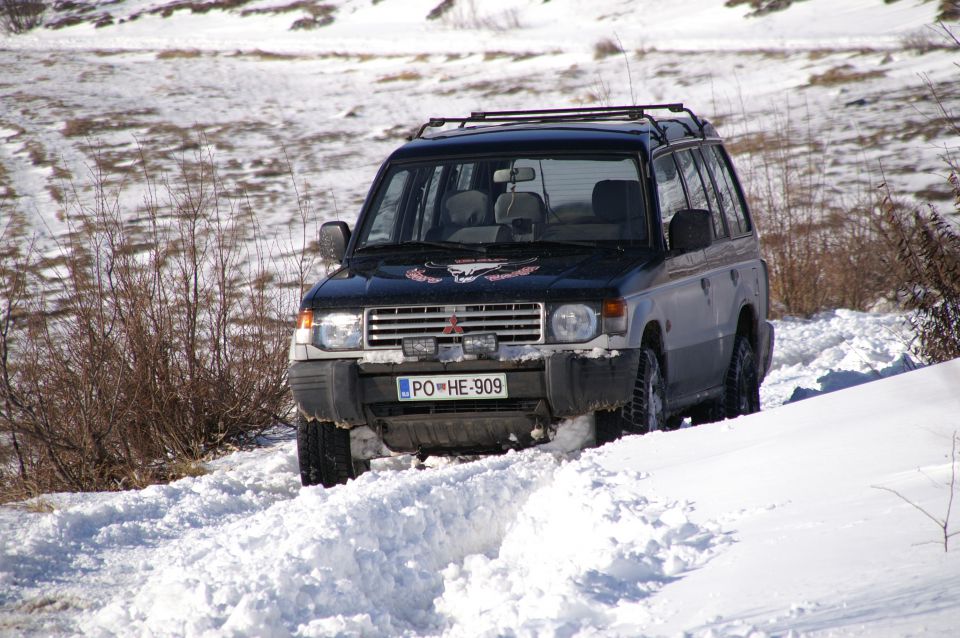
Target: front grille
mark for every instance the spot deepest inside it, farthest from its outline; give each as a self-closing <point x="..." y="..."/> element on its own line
<point x="386" y="410"/>
<point x="514" y="323"/>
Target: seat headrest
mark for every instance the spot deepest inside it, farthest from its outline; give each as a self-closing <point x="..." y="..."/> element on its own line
<point x="467" y="208"/>
<point x="515" y="205"/>
<point x="614" y="199"/>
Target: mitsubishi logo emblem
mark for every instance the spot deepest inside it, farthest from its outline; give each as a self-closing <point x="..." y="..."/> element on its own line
<point x="453" y="327"/>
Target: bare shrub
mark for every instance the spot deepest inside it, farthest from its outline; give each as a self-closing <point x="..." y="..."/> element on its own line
<point x="927" y="261"/>
<point x="140" y="347"/>
<point x="942" y="522"/>
<point x="20" y="16"/>
<point x="824" y="249"/>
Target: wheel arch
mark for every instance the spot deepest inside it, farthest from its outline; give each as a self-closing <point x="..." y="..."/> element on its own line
<point x="653" y="339"/>
<point x="748" y="326"/>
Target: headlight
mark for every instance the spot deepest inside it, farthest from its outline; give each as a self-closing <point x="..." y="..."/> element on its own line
<point x="338" y="331"/>
<point x="341" y="330"/>
<point x="571" y="323"/>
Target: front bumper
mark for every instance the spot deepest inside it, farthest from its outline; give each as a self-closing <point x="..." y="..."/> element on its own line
<point x="563" y="384"/>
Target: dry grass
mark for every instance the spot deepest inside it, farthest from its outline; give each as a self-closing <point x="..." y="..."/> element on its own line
<point x="490" y="56"/>
<point x="403" y="76"/>
<point x="605" y="48"/>
<point x="843" y="74"/>
<point x="179" y="54"/>
<point x="268" y="56"/>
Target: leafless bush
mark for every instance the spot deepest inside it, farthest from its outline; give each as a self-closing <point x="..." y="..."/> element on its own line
<point x="139" y="347"/>
<point x="824" y="249"/>
<point x="20" y="16"/>
<point x="942" y="522"/>
<point x="927" y="260"/>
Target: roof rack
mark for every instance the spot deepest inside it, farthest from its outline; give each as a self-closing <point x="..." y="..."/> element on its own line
<point x="587" y="114"/>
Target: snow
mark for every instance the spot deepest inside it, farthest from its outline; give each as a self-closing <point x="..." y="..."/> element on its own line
<point x="330" y="103"/>
<point x="763" y="525"/>
<point x="774" y="524"/>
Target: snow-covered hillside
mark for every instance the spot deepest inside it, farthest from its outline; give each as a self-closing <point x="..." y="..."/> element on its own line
<point x="329" y="103"/>
<point x="764" y="525"/>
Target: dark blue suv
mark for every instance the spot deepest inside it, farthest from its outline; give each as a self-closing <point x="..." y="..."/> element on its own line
<point x="525" y="267"/>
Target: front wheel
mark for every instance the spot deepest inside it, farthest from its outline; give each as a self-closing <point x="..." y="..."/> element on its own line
<point x="646" y="410"/>
<point x="742" y="383"/>
<point x="323" y="451"/>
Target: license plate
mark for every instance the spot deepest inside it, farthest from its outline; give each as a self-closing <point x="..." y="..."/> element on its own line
<point x="452" y="387"/>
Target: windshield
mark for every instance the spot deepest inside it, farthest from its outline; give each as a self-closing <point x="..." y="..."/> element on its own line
<point x="509" y="200"/>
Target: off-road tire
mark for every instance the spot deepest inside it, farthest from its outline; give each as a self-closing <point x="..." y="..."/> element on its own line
<point x="645" y="412"/>
<point x="742" y="385"/>
<point x="323" y="451"/>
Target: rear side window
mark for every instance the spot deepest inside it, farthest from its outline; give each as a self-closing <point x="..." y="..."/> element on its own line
<point x="700" y="190"/>
<point x="729" y="195"/>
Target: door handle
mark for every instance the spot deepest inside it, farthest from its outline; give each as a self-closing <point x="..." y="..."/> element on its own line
<point x="705" y="284"/>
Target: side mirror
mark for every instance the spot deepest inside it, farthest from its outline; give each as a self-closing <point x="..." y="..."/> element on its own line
<point x="333" y="241"/>
<point x="690" y="229"/>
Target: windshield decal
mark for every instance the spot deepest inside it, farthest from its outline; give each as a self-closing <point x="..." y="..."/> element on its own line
<point x="465" y="271"/>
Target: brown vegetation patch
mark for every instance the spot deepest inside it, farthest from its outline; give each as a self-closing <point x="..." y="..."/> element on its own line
<point x="438" y="11"/>
<point x="489" y="56"/>
<point x="179" y="54"/>
<point x="934" y="194"/>
<point x="197" y="6"/>
<point x="108" y="122"/>
<point x="403" y="76"/>
<point x="762" y="7"/>
<point x="267" y="56"/>
<point x="605" y="48"/>
<point x="843" y="74"/>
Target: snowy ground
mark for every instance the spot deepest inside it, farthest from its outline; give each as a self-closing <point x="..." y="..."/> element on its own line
<point x="763" y="525"/>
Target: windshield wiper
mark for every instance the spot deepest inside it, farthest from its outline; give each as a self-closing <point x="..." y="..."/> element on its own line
<point x="580" y="244"/>
<point x="419" y="245"/>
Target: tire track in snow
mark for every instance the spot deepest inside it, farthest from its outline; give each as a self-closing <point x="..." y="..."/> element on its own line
<point x="526" y="539"/>
<point x="364" y="558"/>
<point x="581" y="558"/>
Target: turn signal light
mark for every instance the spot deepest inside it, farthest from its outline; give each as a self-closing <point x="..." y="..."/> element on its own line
<point x="303" y="335"/>
<point x="305" y="320"/>
<point x="614" y="313"/>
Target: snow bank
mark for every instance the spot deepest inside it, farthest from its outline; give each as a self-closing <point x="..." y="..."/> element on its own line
<point x="582" y="555"/>
<point x="362" y="560"/>
<point x="809" y="353"/>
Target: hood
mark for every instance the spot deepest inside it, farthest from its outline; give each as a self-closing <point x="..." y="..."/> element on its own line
<point x="575" y="274"/>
